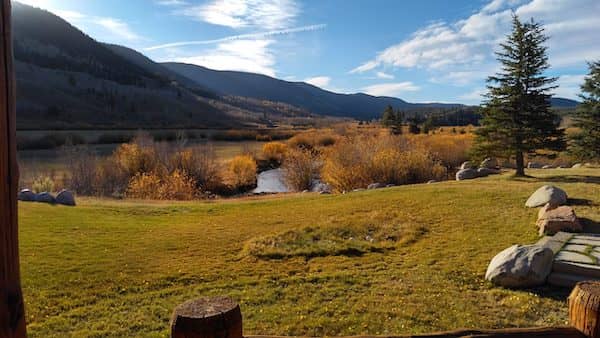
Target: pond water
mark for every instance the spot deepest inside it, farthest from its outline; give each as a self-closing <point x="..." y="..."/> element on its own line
<point x="270" y="181"/>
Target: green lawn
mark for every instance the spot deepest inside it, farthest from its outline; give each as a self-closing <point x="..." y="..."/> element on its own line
<point x="118" y="268"/>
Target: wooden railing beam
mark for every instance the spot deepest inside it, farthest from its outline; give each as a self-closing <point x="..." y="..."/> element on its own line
<point x="12" y="314"/>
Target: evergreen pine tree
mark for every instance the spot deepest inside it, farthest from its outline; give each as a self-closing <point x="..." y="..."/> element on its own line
<point x="517" y="119"/>
<point x="585" y="145"/>
<point x="389" y="117"/>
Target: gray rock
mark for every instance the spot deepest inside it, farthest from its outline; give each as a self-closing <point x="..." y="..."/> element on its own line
<point x="466" y="174"/>
<point x="26" y="195"/>
<point x="534" y="165"/>
<point x="548" y="166"/>
<point x="321" y="187"/>
<point x="45" y="197"/>
<point x="431" y="181"/>
<point x="482" y="172"/>
<point x="375" y="186"/>
<point x="520" y="266"/>
<point x="547" y="194"/>
<point x="489" y="163"/>
<point x="65" y="197"/>
<point x="577" y="165"/>
<point x="466" y="165"/>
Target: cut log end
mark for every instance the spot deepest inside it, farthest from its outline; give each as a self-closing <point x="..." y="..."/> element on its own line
<point x="213" y="317"/>
<point x="584" y="308"/>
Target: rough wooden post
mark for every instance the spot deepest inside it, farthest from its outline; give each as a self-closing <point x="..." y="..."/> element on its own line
<point x="12" y="315"/>
<point x="213" y="317"/>
<point x="584" y="308"/>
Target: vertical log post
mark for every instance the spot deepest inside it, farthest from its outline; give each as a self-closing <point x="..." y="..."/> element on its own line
<point x="12" y="314"/>
<point x="584" y="308"/>
<point x="213" y="317"/>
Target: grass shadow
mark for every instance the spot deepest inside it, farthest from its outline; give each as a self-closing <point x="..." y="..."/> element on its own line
<point x="557" y="179"/>
<point x="589" y="225"/>
<point x="581" y="202"/>
<point x="551" y="292"/>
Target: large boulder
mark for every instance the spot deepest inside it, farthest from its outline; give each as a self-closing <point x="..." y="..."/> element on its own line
<point x="65" y="197"/>
<point x="520" y="266"/>
<point x="482" y="172"/>
<point x="466" y="174"/>
<point x="489" y="163"/>
<point x="534" y="165"/>
<point x="467" y="165"/>
<point x="553" y="219"/>
<point x="26" y="195"/>
<point x="45" y="197"/>
<point x="547" y="194"/>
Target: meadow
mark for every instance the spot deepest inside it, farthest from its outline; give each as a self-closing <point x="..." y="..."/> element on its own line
<point x="415" y="260"/>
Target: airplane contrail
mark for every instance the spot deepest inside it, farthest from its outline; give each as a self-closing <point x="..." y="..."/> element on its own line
<point x="240" y="37"/>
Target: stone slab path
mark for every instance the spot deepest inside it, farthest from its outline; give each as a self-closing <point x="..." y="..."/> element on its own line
<point x="576" y="258"/>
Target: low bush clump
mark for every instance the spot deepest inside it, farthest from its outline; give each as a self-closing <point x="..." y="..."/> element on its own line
<point x="300" y="168"/>
<point x="357" y="161"/>
<point x="175" y="186"/>
<point x="320" y="241"/>
<point x="274" y="151"/>
<point x="42" y="184"/>
<point x="312" y="139"/>
<point x="241" y="173"/>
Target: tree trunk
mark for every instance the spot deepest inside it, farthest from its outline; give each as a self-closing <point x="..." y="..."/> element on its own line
<point x="213" y="317"/>
<point x="584" y="308"/>
<point x="520" y="164"/>
<point x="12" y="314"/>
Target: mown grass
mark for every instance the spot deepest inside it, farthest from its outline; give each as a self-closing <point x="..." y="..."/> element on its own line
<point x="118" y="268"/>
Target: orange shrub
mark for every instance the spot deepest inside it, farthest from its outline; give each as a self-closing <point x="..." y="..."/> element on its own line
<point x="241" y="173"/>
<point x="274" y="151"/>
<point x="134" y="159"/>
<point x="200" y="164"/>
<point x="144" y="185"/>
<point x="355" y="162"/>
<point x="177" y="186"/>
<point x="450" y="149"/>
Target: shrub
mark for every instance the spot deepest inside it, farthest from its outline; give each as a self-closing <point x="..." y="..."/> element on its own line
<point x="451" y="150"/>
<point x="199" y="164"/>
<point x="109" y="179"/>
<point x="355" y="162"/>
<point x="274" y="151"/>
<point x="300" y="167"/>
<point x="312" y="139"/>
<point x="83" y="166"/>
<point x="43" y="183"/>
<point x="134" y="158"/>
<point x="241" y="173"/>
<point x="145" y="186"/>
<point x="177" y="186"/>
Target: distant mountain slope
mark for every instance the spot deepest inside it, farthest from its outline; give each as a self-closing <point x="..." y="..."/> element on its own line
<point x="300" y="94"/>
<point x="65" y="79"/>
<point x="559" y="102"/>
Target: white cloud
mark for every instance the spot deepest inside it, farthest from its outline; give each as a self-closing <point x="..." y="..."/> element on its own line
<point x="569" y="86"/>
<point x="382" y="75"/>
<point x="117" y="28"/>
<point x="319" y="81"/>
<point x="474" y="96"/>
<point x="264" y="14"/>
<point x="243" y="55"/>
<point x="103" y="28"/>
<point x="391" y="89"/>
<point x="466" y="46"/>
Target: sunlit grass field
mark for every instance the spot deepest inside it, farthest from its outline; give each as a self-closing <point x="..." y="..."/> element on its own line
<point x="118" y="268"/>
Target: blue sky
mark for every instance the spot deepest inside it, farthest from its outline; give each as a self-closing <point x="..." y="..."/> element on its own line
<point x="420" y="51"/>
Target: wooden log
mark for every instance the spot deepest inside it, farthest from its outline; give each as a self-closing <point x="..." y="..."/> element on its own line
<point x="584" y="308"/>
<point x="12" y="314"/>
<point x="213" y="317"/>
<point x="546" y="332"/>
